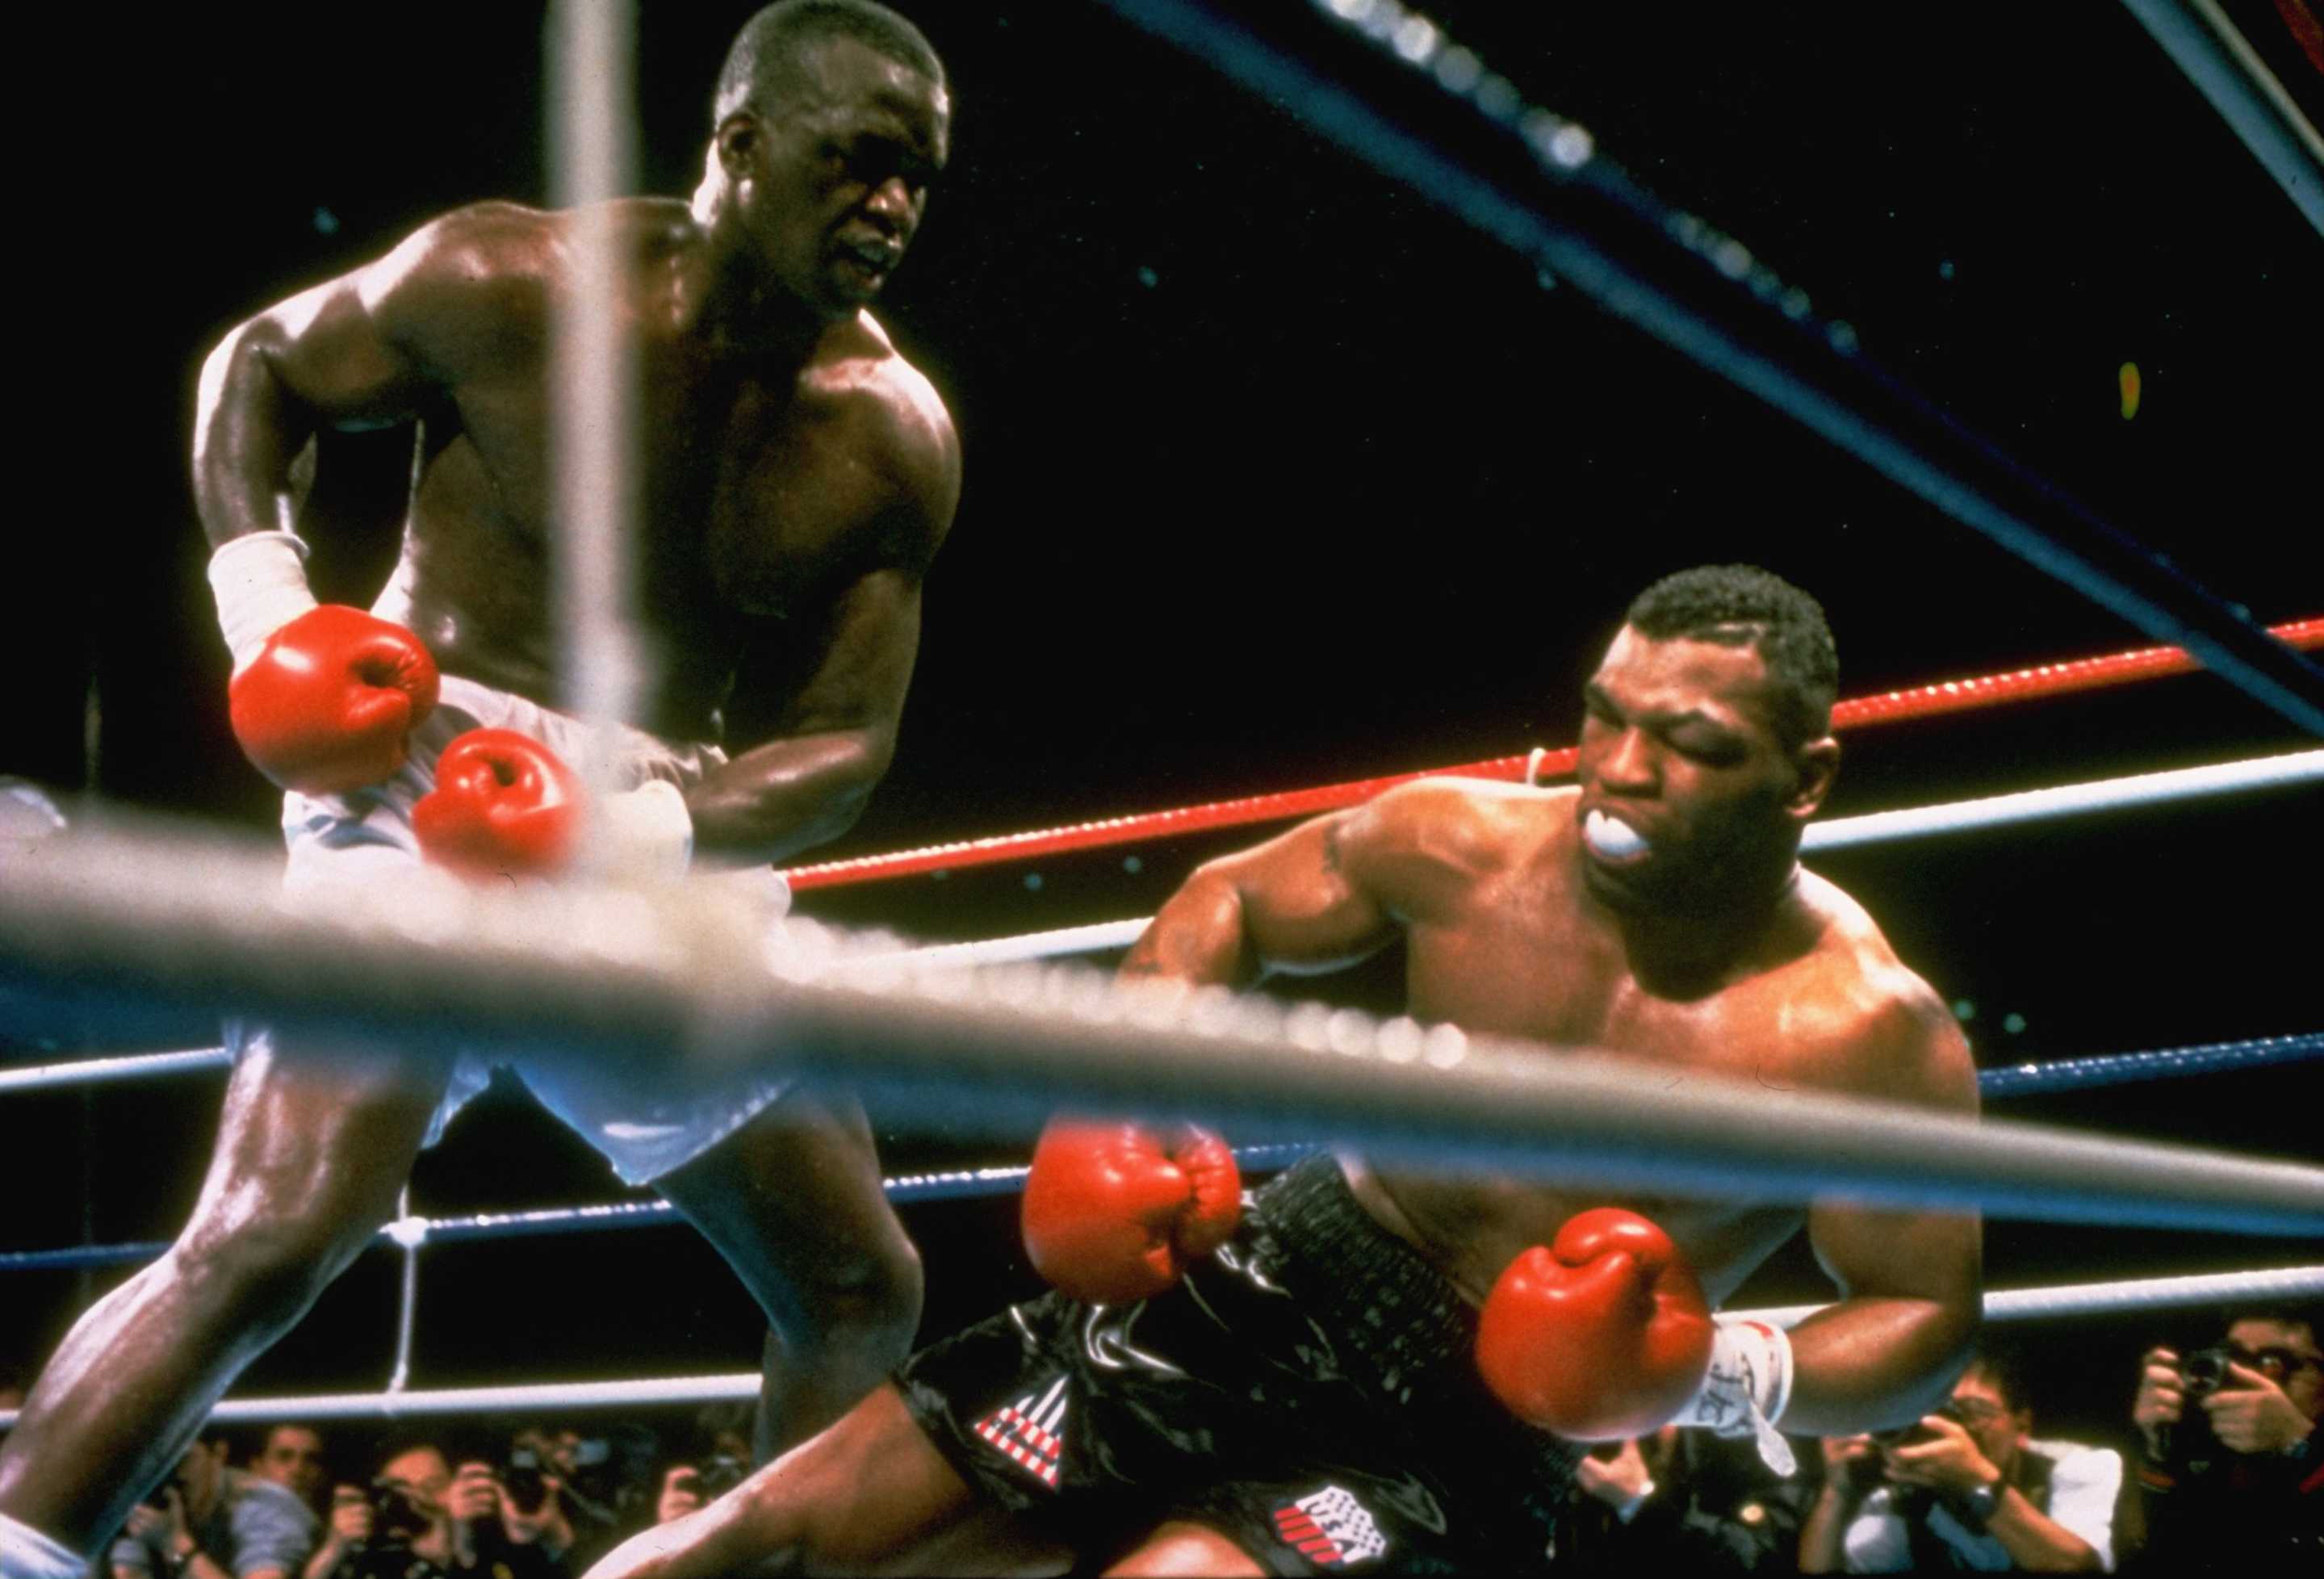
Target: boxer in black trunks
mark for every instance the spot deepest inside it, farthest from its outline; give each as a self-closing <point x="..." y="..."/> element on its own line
<point x="1310" y="1398"/>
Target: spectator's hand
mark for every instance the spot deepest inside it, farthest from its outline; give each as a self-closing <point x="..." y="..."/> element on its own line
<point x="147" y="1523"/>
<point x="1841" y="1454"/>
<point x="1950" y="1462"/>
<point x="682" y="1493"/>
<point x="1617" y="1481"/>
<point x="546" y="1525"/>
<point x="475" y="1494"/>
<point x="2251" y="1413"/>
<point x="164" y="1526"/>
<point x="2160" y="1398"/>
<point x="351" y="1515"/>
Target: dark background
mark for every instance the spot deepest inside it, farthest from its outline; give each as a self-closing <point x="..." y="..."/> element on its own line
<point x="1275" y="474"/>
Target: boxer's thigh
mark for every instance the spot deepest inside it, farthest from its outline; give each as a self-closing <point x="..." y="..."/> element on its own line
<point x="314" y="1137"/>
<point x="1184" y="1547"/>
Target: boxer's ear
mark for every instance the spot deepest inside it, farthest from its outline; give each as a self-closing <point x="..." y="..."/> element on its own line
<point x="1816" y="767"/>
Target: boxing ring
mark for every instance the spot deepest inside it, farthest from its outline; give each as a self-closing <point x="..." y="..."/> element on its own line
<point x="1007" y="1027"/>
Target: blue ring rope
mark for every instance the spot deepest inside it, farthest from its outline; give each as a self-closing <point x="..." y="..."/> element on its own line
<point x="971" y="1184"/>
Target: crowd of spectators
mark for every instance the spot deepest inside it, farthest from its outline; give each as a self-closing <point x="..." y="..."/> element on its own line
<point x="293" y="1500"/>
<point x="2225" y="1473"/>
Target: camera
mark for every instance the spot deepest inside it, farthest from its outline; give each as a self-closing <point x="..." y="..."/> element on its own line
<point x="719" y="1473"/>
<point x="1865" y="1474"/>
<point x="2201" y="1373"/>
<point x="396" y="1515"/>
<point x="520" y="1481"/>
<point x="2205" y="1371"/>
<point x="1914" y="1434"/>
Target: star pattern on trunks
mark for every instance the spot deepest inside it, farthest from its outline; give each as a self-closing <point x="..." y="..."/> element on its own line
<point x="1029" y="1433"/>
<point x="1329" y="1528"/>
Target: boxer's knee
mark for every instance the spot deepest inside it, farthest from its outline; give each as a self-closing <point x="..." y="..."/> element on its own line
<point x="862" y="1312"/>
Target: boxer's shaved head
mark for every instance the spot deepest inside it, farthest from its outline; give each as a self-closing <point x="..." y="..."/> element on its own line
<point x="1741" y="606"/>
<point x="764" y="72"/>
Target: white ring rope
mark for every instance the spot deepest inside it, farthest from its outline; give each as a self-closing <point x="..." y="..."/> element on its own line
<point x="588" y="972"/>
<point x="99" y="1071"/>
<point x="2000" y="1304"/>
<point x="1843" y="832"/>
<point x="2300" y="767"/>
<point x="1101" y="937"/>
<point x="2115" y="1298"/>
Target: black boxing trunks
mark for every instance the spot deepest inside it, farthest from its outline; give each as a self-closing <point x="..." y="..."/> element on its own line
<point x="1309" y="1393"/>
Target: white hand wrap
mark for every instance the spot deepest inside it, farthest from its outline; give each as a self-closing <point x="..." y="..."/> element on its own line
<point x="260" y="582"/>
<point x="645" y="832"/>
<point x="1746" y="1389"/>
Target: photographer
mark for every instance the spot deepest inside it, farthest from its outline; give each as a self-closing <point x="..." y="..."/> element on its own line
<point x="1679" y="1501"/>
<point x="421" y="1520"/>
<point x="2234" y="1476"/>
<point x="1967" y="1488"/>
<point x="207" y="1521"/>
<point x="292" y="1456"/>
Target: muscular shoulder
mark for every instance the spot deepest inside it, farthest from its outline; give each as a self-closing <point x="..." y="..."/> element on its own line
<point x="1870" y="1020"/>
<point x="465" y="281"/>
<point x="891" y="413"/>
<point x="1423" y="842"/>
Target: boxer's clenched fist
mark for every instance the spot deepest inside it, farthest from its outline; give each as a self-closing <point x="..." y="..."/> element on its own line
<point x="503" y="803"/>
<point x="1113" y="1212"/>
<point x="506" y="805"/>
<point x="1604" y="1334"/>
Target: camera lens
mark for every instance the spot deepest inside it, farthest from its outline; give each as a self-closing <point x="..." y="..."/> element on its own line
<point x="522" y="1484"/>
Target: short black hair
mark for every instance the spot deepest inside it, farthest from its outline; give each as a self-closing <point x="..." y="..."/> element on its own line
<point x="763" y="64"/>
<point x="2005" y="1365"/>
<point x="2285" y="1314"/>
<point x="1739" y="605"/>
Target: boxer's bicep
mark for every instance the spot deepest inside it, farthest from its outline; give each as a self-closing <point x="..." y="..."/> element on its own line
<point x="833" y="737"/>
<point x="1341" y="888"/>
<point x="1911" y="1281"/>
<point x="868" y="646"/>
<point x="1282" y="905"/>
<point x="1879" y="1253"/>
<point x="1304" y="910"/>
<point x="1910" y="1049"/>
<point x="1889" y="1350"/>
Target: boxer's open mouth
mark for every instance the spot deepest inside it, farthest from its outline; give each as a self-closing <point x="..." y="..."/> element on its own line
<point x="1614" y="841"/>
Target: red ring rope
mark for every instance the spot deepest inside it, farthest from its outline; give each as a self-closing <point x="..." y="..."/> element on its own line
<point x="1955" y="695"/>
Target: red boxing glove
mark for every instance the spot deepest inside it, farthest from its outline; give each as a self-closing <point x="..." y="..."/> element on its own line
<point x="503" y="804"/>
<point x="1113" y="1211"/>
<point x="1602" y="1337"/>
<point x="327" y="702"/>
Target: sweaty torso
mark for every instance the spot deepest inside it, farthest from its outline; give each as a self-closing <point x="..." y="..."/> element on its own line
<point x="765" y="489"/>
<point x="1522" y="950"/>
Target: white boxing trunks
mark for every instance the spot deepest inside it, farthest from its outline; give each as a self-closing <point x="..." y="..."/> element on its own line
<point x="645" y="1123"/>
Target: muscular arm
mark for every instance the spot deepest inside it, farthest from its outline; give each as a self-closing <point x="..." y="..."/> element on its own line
<point x="836" y="734"/>
<point x="833" y="742"/>
<point x="1911" y="1282"/>
<point x="353" y="352"/>
<point x="1322" y="897"/>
